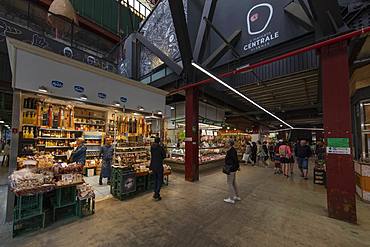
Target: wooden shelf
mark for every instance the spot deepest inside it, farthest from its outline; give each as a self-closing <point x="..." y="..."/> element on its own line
<point x="131" y="152"/>
<point x="51" y="129"/>
<point x="89" y="117"/>
<point x="79" y="123"/>
<point x="57" y="147"/>
<point x="54" y="138"/>
<point x="124" y="148"/>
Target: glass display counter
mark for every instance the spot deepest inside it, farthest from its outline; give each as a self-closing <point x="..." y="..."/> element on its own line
<point x="209" y="157"/>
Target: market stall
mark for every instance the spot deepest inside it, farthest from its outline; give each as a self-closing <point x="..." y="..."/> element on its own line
<point x="211" y="148"/>
<point x="58" y="100"/>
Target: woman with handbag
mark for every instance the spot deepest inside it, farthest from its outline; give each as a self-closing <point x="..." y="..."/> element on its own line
<point x="230" y="169"/>
<point x="247" y="154"/>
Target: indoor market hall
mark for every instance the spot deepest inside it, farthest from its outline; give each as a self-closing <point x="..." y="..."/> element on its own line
<point x="184" y="123"/>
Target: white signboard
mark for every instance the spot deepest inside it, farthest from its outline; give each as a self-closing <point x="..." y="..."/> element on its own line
<point x="63" y="77"/>
<point x="336" y="150"/>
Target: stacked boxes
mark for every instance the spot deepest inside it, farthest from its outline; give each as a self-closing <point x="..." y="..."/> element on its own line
<point x="363" y="180"/>
<point x="319" y="176"/>
<point x="86" y="207"/>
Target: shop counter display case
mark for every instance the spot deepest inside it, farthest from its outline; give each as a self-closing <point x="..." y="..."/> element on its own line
<point x="209" y="158"/>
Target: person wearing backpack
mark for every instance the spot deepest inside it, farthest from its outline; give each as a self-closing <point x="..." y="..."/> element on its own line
<point x="285" y="154"/>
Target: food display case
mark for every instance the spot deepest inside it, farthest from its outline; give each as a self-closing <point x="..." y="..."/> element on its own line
<point x="209" y="157"/>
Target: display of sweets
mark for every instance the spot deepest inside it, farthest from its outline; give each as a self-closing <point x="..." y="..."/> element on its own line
<point x="85" y="191"/>
<point x="71" y="178"/>
<point x="38" y="161"/>
<point x="64" y="168"/>
<point x="28" y="182"/>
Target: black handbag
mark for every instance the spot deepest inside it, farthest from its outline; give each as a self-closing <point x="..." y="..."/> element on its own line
<point x="226" y="170"/>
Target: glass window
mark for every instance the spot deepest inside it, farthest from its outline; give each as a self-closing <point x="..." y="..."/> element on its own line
<point x="366" y="150"/>
<point x="367" y="116"/>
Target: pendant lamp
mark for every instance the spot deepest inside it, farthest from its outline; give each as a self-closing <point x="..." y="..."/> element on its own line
<point x="61" y="16"/>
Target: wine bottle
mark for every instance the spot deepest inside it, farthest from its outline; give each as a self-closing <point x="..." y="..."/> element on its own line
<point x="31" y="133"/>
<point x="50" y="116"/>
<point x="38" y="114"/>
<point x="135" y="126"/>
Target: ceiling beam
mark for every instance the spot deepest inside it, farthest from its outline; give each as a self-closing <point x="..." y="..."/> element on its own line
<point x="182" y="34"/>
<point x="168" y="61"/>
<point x="222" y="49"/>
<point x="203" y="30"/>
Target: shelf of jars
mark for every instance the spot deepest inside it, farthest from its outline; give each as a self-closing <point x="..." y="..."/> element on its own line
<point x="51" y="127"/>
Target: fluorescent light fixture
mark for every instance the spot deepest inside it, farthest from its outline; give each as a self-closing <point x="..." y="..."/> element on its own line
<point x="43" y="89"/>
<point x="116" y="103"/>
<point x="151" y="117"/>
<point x="141" y="108"/>
<point x="1" y="122"/>
<point x="172" y="108"/>
<point x="239" y="93"/>
<point x="83" y="97"/>
<point x="160" y="112"/>
<point x="318" y="129"/>
<point x="309" y="129"/>
<point x="209" y="126"/>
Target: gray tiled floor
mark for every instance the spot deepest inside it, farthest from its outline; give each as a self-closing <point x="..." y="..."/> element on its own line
<point x="3" y="195"/>
<point x="101" y="191"/>
<point x="274" y="211"/>
<point x="3" y="173"/>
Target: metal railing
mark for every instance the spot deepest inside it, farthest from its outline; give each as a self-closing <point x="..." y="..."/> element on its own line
<point x="136" y="7"/>
<point x="30" y="16"/>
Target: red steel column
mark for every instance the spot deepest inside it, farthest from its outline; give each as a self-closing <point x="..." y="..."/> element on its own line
<point x="191" y="134"/>
<point x="337" y="124"/>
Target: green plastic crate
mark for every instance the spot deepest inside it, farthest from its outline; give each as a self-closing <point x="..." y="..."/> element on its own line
<point x="62" y="213"/>
<point x="125" y="196"/>
<point x="28" y="225"/>
<point x="65" y="196"/>
<point x="86" y="207"/>
<point x="28" y="206"/>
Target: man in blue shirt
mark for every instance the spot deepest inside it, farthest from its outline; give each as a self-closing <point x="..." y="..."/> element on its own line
<point x="79" y="154"/>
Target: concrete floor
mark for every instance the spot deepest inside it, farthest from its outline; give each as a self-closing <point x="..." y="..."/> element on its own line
<point x="274" y="211"/>
<point x="3" y="173"/>
<point x="101" y="191"/>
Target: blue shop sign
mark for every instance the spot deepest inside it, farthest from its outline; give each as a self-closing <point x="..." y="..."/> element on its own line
<point x="102" y="95"/>
<point x="57" y="84"/>
<point x="123" y="99"/>
<point x="79" y="89"/>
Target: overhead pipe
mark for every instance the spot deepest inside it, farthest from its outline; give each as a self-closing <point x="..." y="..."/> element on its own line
<point x="321" y="44"/>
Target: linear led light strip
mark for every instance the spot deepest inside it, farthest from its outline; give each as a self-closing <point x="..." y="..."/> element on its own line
<point x="239" y="93"/>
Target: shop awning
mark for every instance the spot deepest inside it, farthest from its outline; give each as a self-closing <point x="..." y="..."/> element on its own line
<point x="34" y="68"/>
